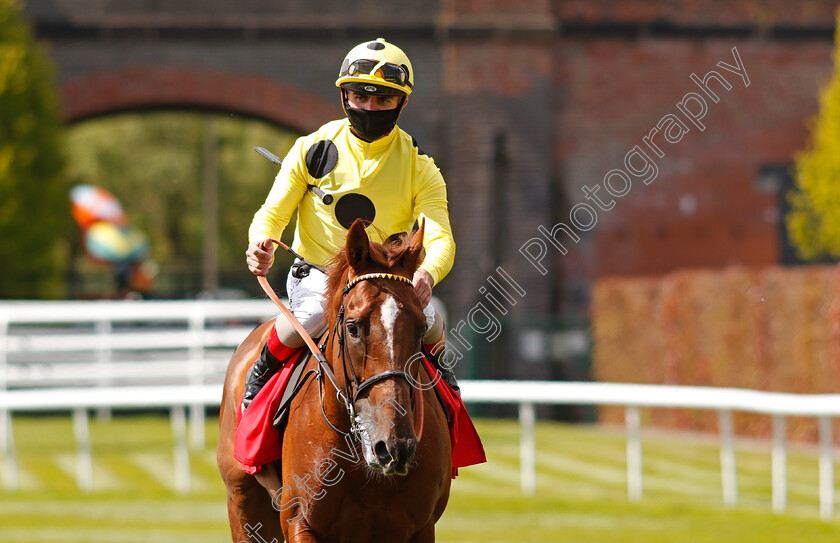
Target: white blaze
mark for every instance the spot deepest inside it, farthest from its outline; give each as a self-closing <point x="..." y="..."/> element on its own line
<point x="388" y="316"/>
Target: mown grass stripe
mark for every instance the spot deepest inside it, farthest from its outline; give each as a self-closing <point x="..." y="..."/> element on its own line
<point x="575" y="469"/>
<point x="44" y="473"/>
<point x="203" y="467"/>
<point x="26" y="479"/>
<point x="103" y="478"/>
<point x="138" y="481"/>
<point x="566" y="466"/>
<point x="165" y="511"/>
<point x="496" y="472"/>
<point x="157" y="466"/>
<point x="161" y="467"/>
<point x="658" y="474"/>
<point x="113" y="535"/>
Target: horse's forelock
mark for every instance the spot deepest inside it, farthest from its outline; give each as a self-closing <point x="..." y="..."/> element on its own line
<point x="385" y="257"/>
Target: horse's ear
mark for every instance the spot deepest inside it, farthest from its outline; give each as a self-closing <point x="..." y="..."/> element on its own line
<point x="358" y="246"/>
<point x="414" y="255"/>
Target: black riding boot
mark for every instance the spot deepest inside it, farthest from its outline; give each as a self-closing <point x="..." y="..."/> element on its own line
<point x="446" y="374"/>
<point x="449" y="378"/>
<point x="259" y="374"/>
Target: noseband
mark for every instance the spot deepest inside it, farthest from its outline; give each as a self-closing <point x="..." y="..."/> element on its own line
<point x="358" y="386"/>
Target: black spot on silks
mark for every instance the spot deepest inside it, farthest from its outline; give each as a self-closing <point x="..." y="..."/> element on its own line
<point x="376" y="45"/>
<point x="321" y="158"/>
<point x="354" y="206"/>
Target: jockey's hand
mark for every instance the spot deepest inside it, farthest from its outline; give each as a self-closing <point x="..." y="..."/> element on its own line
<point x="423" y="283"/>
<point x="259" y="256"/>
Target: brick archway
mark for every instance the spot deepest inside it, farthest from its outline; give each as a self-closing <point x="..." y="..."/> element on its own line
<point x="148" y="87"/>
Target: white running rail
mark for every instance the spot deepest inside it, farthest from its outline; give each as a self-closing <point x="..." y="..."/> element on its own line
<point x="526" y="394"/>
<point x="113" y="344"/>
<point x="95" y="355"/>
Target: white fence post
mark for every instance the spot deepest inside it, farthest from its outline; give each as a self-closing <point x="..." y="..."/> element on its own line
<point x="5" y="417"/>
<point x="11" y="481"/>
<point x="104" y="328"/>
<point x="527" y="450"/>
<point x="4" y="349"/>
<point x="826" y="468"/>
<point x="182" y="453"/>
<point x="198" y="321"/>
<point x="633" y="422"/>
<point x="84" y="458"/>
<point x="728" y="472"/>
<point x="779" y="464"/>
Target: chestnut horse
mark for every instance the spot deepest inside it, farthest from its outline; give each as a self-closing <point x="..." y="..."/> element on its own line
<point x="354" y="465"/>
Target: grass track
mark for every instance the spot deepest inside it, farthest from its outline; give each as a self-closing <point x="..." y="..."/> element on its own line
<point x="581" y="496"/>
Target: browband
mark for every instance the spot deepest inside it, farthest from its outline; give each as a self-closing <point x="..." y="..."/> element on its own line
<point x="353" y="282"/>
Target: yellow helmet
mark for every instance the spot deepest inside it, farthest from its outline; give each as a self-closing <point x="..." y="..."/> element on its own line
<point x="376" y="67"/>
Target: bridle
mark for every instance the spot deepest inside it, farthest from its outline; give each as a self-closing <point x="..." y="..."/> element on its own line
<point x="323" y="369"/>
<point x="358" y="386"/>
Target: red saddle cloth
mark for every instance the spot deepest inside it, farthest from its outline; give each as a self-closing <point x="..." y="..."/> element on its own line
<point x="257" y="441"/>
<point x="467" y="449"/>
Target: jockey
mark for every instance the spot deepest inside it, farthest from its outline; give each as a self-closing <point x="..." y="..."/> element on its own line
<point x="373" y="171"/>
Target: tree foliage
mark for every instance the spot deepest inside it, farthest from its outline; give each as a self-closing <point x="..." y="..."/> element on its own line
<point x="814" y="221"/>
<point x="33" y="197"/>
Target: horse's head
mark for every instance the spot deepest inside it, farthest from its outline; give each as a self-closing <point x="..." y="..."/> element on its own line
<point x="379" y="326"/>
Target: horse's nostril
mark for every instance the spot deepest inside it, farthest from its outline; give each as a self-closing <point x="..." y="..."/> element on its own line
<point x="381" y="450"/>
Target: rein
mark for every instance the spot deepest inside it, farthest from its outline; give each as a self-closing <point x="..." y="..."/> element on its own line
<point x="343" y="393"/>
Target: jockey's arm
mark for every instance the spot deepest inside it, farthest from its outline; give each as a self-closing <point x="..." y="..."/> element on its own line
<point x="271" y="218"/>
<point x="430" y="206"/>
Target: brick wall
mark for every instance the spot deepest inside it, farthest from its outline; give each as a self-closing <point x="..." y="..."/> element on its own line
<point x="705" y="207"/>
<point x="521" y="104"/>
<point x="743" y="13"/>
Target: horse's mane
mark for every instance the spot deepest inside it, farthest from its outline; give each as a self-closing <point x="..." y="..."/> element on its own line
<point x="385" y="257"/>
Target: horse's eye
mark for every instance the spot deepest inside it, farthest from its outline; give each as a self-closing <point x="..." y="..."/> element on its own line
<point x="352" y="329"/>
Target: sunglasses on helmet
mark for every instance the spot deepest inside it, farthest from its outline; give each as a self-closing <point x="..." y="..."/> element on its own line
<point x="387" y="72"/>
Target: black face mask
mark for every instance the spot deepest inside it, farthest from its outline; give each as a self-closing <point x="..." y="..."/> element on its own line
<point x="372" y="125"/>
